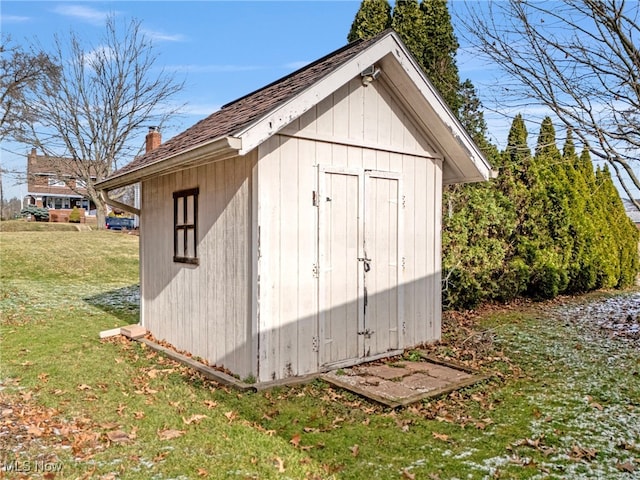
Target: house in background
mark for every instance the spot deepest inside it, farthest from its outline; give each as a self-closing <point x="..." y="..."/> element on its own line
<point x="48" y="188"/>
<point x="632" y="211"/>
<point x="297" y="229"/>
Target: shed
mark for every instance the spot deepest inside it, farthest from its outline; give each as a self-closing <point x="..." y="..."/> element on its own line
<point x="298" y="229"/>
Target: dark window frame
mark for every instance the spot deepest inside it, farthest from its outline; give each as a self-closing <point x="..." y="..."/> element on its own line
<point x="181" y="229"/>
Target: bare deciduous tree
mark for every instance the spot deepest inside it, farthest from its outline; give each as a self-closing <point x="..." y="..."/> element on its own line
<point x="21" y="72"/>
<point x="578" y="58"/>
<point x="103" y="98"/>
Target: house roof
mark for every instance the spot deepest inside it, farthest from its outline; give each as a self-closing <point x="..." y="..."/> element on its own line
<point x="240" y="126"/>
<point x="632" y="211"/>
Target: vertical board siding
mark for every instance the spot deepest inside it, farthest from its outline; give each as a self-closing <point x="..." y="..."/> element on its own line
<point x="202" y="309"/>
<point x="287" y="175"/>
<point x="287" y="221"/>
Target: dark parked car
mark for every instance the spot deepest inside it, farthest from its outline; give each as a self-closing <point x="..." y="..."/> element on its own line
<point x="120" y="223"/>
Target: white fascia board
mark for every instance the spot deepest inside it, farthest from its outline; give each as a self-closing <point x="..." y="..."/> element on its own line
<point x="276" y="119"/>
<point x="457" y="146"/>
<point x="55" y="195"/>
<point x="219" y="148"/>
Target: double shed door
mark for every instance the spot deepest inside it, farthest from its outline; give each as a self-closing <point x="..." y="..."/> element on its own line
<point x="359" y="239"/>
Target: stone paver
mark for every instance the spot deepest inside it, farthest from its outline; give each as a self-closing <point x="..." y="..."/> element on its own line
<point x="448" y="373"/>
<point x="385" y="371"/>
<point x="403" y="382"/>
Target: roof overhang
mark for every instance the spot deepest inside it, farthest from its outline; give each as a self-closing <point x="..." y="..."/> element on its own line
<point x="217" y="149"/>
<point x="463" y="160"/>
<point x="55" y="195"/>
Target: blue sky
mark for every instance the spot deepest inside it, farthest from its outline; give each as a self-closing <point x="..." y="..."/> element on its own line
<point x="221" y="49"/>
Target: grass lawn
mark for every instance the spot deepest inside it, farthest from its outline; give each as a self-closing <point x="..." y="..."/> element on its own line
<point x="563" y="402"/>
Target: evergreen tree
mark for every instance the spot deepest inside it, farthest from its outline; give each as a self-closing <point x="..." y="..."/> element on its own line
<point x="471" y="115"/>
<point x="475" y="238"/>
<point x="408" y="21"/>
<point x="516" y="183"/>
<point x="582" y="267"/>
<point x="439" y="52"/>
<point x="373" y="17"/>
<point x="624" y="234"/>
<point x="550" y="261"/>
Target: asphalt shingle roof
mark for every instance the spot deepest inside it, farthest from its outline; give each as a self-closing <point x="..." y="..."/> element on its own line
<point x="234" y="116"/>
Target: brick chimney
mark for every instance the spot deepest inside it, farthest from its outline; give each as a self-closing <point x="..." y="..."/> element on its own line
<point x="154" y="139"/>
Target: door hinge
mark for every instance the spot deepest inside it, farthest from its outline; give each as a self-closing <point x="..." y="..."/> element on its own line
<point x="315" y="270"/>
<point x="404" y="201"/>
<point x="315" y="344"/>
<point x="315" y="198"/>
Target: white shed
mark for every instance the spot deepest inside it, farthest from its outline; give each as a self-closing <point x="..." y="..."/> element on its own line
<point x="297" y="229"/>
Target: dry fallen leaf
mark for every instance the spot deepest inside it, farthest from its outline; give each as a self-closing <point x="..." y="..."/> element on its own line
<point x="408" y="475"/>
<point x="34" y="431"/>
<point x="583" y="453"/>
<point x="210" y="404"/>
<point x="170" y="433"/>
<point x="197" y="418"/>
<point x="355" y="450"/>
<point x="279" y="464"/>
<point x="626" y="467"/>
<point x="109" y="425"/>
<point x="84" y="387"/>
<point x="161" y="456"/>
<point x="118" y="436"/>
<point x="295" y="440"/>
<point x="440" y="436"/>
<point x="231" y="415"/>
<point x="202" y="472"/>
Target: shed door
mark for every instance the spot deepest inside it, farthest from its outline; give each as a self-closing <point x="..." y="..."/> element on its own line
<point x="359" y="241"/>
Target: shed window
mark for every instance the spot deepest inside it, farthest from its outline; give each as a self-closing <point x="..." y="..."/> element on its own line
<point x="185" y="226"/>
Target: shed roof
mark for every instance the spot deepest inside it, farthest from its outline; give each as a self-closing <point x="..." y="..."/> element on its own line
<point x="241" y="125"/>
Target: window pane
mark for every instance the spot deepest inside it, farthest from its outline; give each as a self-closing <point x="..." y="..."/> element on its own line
<point x="190" y="202"/>
<point x="191" y="244"/>
<point x="180" y="207"/>
<point x="180" y="243"/>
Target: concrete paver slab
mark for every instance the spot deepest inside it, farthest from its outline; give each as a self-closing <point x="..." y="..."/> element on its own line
<point x="403" y="382"/>
<point x="384" y="371"/>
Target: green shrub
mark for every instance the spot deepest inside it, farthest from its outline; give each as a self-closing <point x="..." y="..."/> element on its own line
<point x="40" y="214"/>
<point x="74" y="216"/>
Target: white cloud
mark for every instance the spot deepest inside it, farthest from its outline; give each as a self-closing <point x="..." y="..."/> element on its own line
<point x="15" y="19"/>
<point x="101" y="52"/>
<point x="296" y="65"/>
<point x="164" y="37"/>
<point x="200" y="109"/>
<point x="87" y="14"/>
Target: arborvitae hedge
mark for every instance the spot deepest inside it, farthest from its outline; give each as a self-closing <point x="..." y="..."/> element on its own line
<point x="563" y="228"/>
<point x="548" y="224"/>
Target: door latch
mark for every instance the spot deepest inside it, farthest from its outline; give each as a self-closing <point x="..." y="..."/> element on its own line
<point x="367" y="333"/>
<point x="367" y="263"/>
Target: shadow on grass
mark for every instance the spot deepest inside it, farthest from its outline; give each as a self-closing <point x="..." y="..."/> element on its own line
<point x="123" y="303"/>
